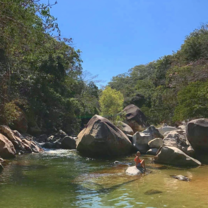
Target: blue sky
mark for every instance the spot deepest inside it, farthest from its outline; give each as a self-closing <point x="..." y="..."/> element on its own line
<point x="116" y="35"/>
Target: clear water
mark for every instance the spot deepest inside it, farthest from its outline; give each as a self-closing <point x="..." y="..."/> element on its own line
<point x="62" y="179"/>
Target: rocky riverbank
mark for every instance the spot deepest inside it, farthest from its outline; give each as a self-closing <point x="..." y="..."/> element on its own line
<point x="101" y="138"/>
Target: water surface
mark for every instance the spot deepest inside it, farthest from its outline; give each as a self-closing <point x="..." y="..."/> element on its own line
<point x="62" y="178"/>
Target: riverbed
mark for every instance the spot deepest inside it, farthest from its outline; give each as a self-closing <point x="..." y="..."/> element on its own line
<point x="63" y="179"/>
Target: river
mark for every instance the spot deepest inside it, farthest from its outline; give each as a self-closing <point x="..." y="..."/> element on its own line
<point x="63" y="179"/>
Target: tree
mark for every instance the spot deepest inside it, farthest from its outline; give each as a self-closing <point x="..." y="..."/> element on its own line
<point x="192" y="101"/>
<point x="111" y="102"/>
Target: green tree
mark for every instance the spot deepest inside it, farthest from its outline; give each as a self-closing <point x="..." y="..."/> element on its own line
<point x="192" y="101"/>
<point x="111" y="102"/>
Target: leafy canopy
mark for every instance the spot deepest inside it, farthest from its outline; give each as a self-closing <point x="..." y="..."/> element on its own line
<point x="111" y="102"/>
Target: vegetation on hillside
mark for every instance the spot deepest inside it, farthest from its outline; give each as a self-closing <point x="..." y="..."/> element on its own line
<point x="41" y="77"/>
<point x="172" y="88"/>
<point x="40" y="72"/>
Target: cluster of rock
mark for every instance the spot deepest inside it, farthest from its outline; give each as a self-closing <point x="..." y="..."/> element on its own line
<point x="56" y="141"/>
<point x="13" y="143"/>
<point x="170" y="145"/>
<point x="101" y="138"/>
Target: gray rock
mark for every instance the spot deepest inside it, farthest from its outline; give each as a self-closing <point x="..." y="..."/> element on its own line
<point x="155" y="143"/>
<point x="135" y="117"/>
<point x="133" y="170"/>
<point x="141" y="140"/>
<point x="174" y="156"/>
<point x="68" y="143"/>
<point x="180" y="177"/>
<point x="102" y="138"/>
<point x="125" y="128"/>
<point x="178" y="139"/>
<point x="197" y="134"/>
<point x="152" y="151"/>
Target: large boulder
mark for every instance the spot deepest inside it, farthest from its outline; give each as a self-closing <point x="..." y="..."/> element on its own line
<point x="197" y="134"/>
<point x="68" y="143"/>
<point x="141" y="139"/>
<point x="125" y="128"/>
<point x="178" y="139"/>
<point x="174" y="156"/>
<point x="135" y="118"/>
<point x="7" y="149"/>
<point x="102" y="138"/>
<point x="133" y="170"/>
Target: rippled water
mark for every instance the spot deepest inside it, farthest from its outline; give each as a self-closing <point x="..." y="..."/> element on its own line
<point x="62" y="178"/>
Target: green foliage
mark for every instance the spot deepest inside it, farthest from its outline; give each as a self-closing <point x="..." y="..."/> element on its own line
<point x="111" y="102"/>
<point x="42" y="69"/>
<point x="10" y="112"/>
<point x="192" y="101"/>
<point x="173" y="87"/>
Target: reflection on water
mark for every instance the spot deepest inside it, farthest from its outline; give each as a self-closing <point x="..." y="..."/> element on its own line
<point x="62" y="178"/>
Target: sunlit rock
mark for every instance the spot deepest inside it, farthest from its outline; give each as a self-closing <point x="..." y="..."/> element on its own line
<point x="133" y="170"/>
<point x="197" y="134"/>
<point x="174" y="156"/>
<point x="141" y="139"/>
<point x="7" y="149"/>
<point x="102" y="138"/>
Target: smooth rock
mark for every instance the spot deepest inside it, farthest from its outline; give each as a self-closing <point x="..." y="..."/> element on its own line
<point x="7" y="149"/>
<point x="16" y="141"/>
<point x="197" y="134"/>
<point x="125" y="128"/>
<point x="135" y="118"/>
<point x="68" y="143"/>
<point x="155" y="143"/>
<point x="102" y="138"/>
<point x="174" y="156"/>
<point x="133" y="170"/>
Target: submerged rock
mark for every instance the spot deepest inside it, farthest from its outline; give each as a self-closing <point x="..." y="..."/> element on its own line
<point x="197" y="134"/>
<point x="180" y="177"/>
<point x="174" y="156"/>
<point x="153" y="191"/>
<point x="102" y="138"/>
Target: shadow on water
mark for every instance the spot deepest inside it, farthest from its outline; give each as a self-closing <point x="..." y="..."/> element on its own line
<point x="100" y="189"/>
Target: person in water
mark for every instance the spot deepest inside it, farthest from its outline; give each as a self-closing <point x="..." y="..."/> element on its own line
<point x="138" y="162"/>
